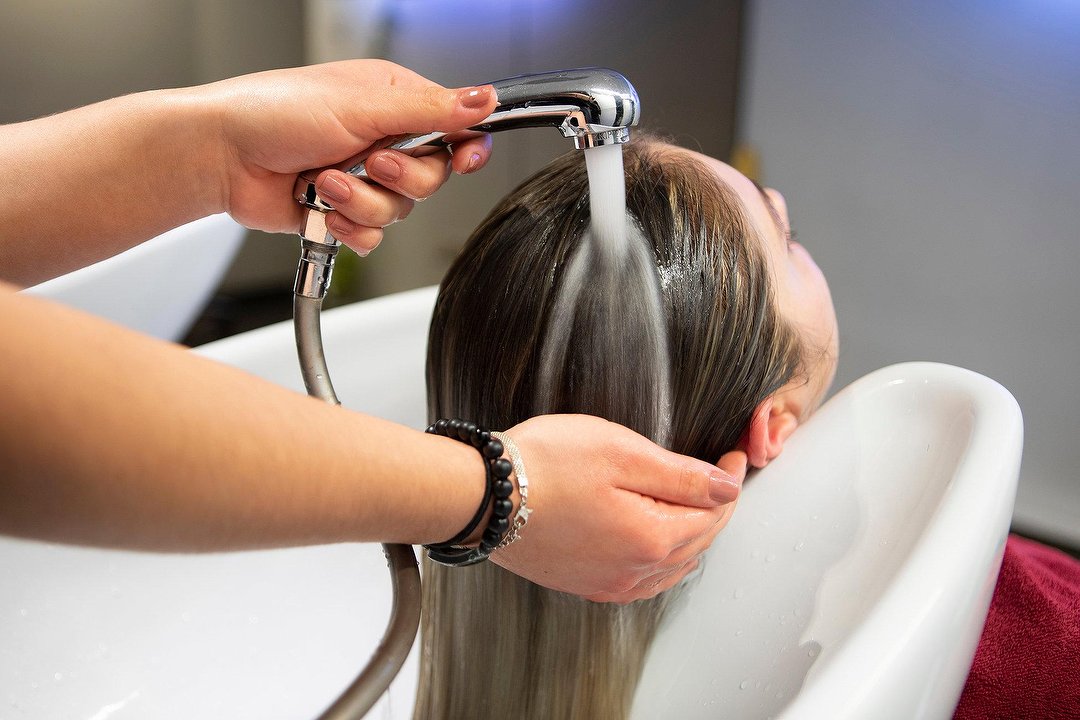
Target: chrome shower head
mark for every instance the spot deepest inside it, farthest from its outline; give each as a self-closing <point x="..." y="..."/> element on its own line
<point x="594" y="106"/>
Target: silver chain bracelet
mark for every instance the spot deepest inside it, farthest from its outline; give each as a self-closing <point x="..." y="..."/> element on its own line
<point x="522" y="515"/>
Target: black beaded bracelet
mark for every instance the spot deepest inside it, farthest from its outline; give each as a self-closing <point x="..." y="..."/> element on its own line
<point x="497" y="485"/>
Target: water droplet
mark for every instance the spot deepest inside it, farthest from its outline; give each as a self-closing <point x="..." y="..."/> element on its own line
<point x="799" y="545"/>
<point x="770" y="557"/>
<point x="58" y="677"/>
<point x="318" y="376"/>
<point x="738" y="633"/>
<point x="33" y="686"/>
<point x="783" y="619"/>
<point x="738" y="593"/>
<point x="814" y="518"/>
<point x="796" y="612"/>
<point x="24" y="612"/>
<point x="744" y="684"/>
<point x="813" y="651"/>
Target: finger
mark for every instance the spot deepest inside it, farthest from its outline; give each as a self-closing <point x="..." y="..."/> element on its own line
<point x="362" y="203"/>
<point x="397" y="110"/>
<point x="686" y="481"/>
<point x="710" y="524"/>
<point x="472" y="154"/>
<point x="695" y="546"/>
<point x="693" y="529"/>
<point x="360" y="238"/>
<point x="661" y="581"/>
<point x="649" y="587"/>
<point x="412" y="177"/>
<point x="733" y="464"/>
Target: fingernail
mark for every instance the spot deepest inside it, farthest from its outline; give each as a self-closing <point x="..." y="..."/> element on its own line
<point x="341" y="225"/>
<point x="334" y="189"/>
<point x="724" y="488"/>
<point x="385" y="167"/>
<point x="475" y="97"/>
<point x="474" y="163"/>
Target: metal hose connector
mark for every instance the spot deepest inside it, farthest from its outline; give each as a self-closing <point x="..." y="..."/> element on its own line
<point x="400" y="633"/>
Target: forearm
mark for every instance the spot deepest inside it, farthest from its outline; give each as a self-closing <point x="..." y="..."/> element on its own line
<point x="111" y="438"/>
<point x="86" y="184"/>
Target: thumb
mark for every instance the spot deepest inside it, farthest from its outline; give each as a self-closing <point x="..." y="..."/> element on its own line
<point x="406" y="110"/>
<point x="734" y="463"/>
<point x="686" y="481"/>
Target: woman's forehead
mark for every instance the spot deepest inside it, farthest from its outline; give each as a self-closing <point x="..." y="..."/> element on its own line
<point x="753" y="206"/>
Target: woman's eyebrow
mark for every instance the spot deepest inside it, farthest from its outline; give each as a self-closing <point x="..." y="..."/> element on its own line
<point x="777" y="220"/>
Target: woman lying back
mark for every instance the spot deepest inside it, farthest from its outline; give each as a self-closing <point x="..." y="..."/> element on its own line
<point x="534" y="317"/>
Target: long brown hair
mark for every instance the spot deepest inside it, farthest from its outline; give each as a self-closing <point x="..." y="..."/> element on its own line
<point x="497" y="646"/>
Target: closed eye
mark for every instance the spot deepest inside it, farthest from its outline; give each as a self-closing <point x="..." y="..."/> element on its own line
<point x="784" y="232"/>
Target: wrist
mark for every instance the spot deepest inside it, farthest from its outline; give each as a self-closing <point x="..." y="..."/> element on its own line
<point x="193" y="119"/>
<point x="456" y="482"/>
<point x="461" y="479"/>
<point x="495" y="505"/>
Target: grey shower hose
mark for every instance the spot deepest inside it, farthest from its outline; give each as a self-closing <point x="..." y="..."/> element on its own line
<point x="400" y="633"/>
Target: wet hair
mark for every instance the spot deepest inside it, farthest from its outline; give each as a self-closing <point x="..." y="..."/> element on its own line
<point x="495" y="645"/>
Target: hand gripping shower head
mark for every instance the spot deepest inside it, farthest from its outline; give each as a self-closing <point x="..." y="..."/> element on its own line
<point x="592" y="106"/>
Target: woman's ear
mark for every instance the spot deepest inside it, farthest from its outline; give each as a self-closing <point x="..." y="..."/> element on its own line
<point x="770" y="426"/>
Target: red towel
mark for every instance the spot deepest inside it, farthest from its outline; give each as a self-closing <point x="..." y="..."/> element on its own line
<point x="1028" y="661"/>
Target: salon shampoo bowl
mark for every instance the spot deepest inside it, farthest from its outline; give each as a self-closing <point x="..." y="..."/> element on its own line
<point x="158" y="287"/>
<point x="853" y="581"/>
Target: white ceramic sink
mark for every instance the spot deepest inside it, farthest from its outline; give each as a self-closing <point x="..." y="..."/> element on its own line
<point x="158" y="287"/>
<point x="852" y="582"/>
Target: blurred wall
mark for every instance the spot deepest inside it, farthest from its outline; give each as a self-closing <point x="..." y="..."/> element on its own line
<point x="58" y="54"/>
<point x="930" y="154"/>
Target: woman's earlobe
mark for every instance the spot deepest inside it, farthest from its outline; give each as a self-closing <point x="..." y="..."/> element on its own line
<point x="770" y="426"/>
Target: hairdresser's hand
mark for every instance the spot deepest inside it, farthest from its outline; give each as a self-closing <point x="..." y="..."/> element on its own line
<point x="277" y="124"/>
<point x="615" y="517"/>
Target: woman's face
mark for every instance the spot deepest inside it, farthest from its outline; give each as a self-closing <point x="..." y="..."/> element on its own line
<point x="802" y="293"/>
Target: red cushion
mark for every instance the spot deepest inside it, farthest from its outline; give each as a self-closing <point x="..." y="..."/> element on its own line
<point x="1028" y="661"/>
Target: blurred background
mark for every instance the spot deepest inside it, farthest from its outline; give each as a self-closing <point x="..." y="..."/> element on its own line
<point x="929" y="153"/>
